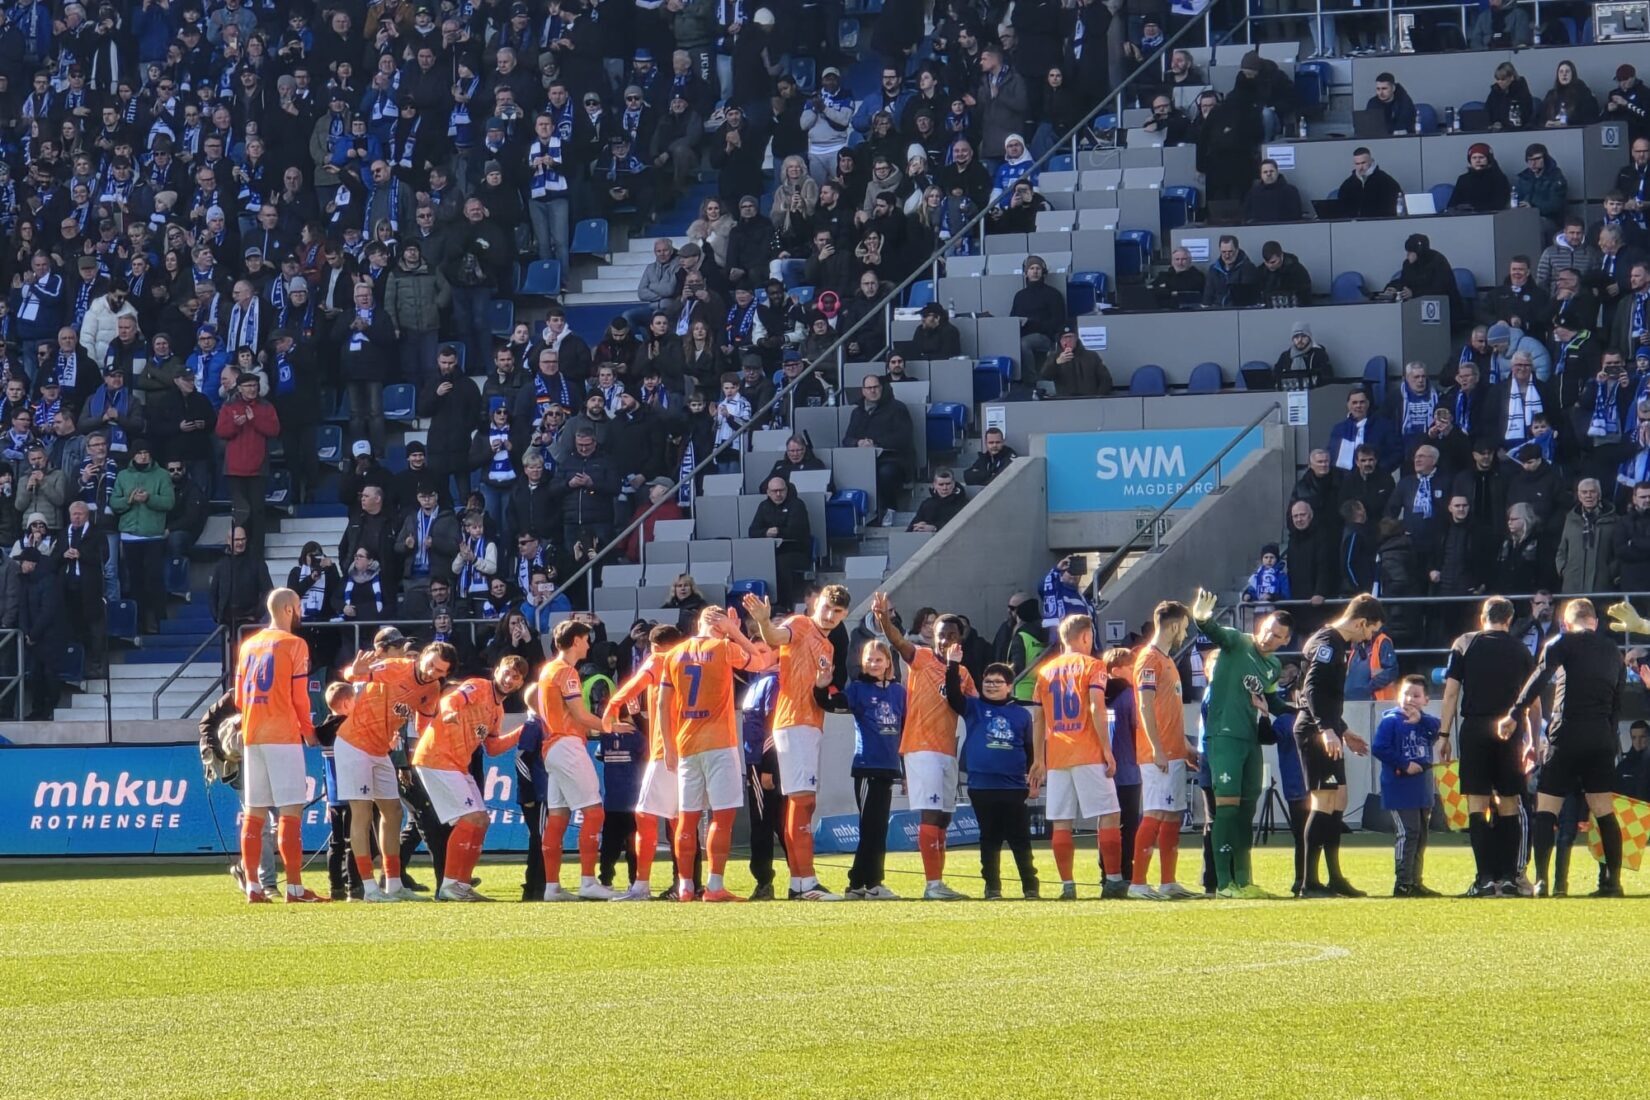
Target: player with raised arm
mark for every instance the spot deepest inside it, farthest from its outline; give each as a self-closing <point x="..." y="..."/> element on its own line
<point x="806" y="665"/>
<point x="572" y="783"/>
<point x="470" y="716"/>
<point x="1232" y="742"/>
<point x="1162" y="750"/>
<point x="656" y="799"/>
<point x="928" y="743"/>
<point x="1068" y="748"/>
<point x="391" y="691"/>
<point x="696" y="696"/>
<point x="1323" y="737"/>
<point x="272" y="695"/>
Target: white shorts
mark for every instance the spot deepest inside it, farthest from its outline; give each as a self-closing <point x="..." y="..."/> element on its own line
<point x="658" y="795"/>
<point x="798" y="751"/>
<point x="273" y="775"/>
<point x="931" y="781"/>
<point x="363" y="776"/>
<point x="710" y="781"/>
<point x="1163" y="791"/>
<point x="573" y="784"/>
<point x="452" y="794"/>
<point x="1082" y="791"/>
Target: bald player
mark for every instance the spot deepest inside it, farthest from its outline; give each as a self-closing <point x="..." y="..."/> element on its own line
<point x="391" y="691"/>
<point x="656" y="798"/>
<point x="806" y="665"/>
<point x="572" y="783"/>
<point x="696" y="696"/>
<point x="272" y="694"/>
<point x="470" y="716"/>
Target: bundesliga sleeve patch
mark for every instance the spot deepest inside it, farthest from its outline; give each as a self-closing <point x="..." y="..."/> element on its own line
<point x="1324" y="655"/>
<point x="1148" y="677"/>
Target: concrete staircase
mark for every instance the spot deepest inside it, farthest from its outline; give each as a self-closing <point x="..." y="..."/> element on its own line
<point x="616" y="283"/>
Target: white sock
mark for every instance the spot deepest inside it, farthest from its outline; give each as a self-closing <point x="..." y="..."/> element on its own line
<point x="810" y="882"/>
<point x="587" y="880"/>
<point x="392" y="884"/>
<point x="936" y="882"/>
<point x="713" y="882"/>
<point x="1114" y="878"/>
<point x="684" y="885"/>
<point x="294" y="889"/>
<point x="796" y="883"/>
<point x="1067" y="882"/>
<point x="551" y="888"/>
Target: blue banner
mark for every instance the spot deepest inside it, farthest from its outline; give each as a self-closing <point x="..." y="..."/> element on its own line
<point x="1129" y="471"/>
<point x="841" y="833"/>
<point x="154" y="800"/>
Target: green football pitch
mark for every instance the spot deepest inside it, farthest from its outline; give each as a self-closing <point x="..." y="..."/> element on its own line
<point x="157" y="981"/>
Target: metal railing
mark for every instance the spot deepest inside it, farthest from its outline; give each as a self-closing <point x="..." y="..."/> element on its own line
<point x="172" y="677"/>
<point x="11" y="680"/>
<point x="1109" y="566"/>
<point x="1315" y="15"/>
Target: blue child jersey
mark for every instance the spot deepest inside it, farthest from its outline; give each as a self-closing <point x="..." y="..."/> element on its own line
<point x="1120" y="715"/>
<point x="623" y="757"/>
<point x="996" y="748"/>
<point x="879" y="716"/>
<point x="1398" y="742"/>
<point x="756" y="715"/>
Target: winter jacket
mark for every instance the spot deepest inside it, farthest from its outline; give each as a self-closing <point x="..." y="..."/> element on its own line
<point x="1362" y="681"/>
<point x="1237" y="285"/>
<point x="144" y="519"/>
<point x="1310" y="560"/>
<point x="98" y="327"/>
<point x="415" y="299"/>
<point x="1277" y="202"/>
<point x="1481" y="190"/>
<point x="659" y="282"/>
<point x="1587" y="551"/>
<point x="1084" y="376"/>
<point x="1002" y="111"/>
<point x="1556" y="257"/>
<point x="1515" y="30"/>
<point x="1632" y="550"/>
<point x="247" y="428"/>
<point x="1397" y="744"/>
<point x="444" y="539"/>
<point x="453" y="417"/>
<point x="1547" y="192"/>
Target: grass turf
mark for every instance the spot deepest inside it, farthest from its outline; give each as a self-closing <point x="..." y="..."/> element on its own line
<point x="157" y="981"/>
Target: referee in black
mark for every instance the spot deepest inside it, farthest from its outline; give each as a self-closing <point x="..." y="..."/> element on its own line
<point x="1588" y="677"/>
<point x="1482" y="676"/>
<point x="1323" y="737"/>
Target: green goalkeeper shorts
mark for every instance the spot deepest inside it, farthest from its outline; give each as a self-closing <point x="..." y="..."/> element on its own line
<point x="1234" y="766"/>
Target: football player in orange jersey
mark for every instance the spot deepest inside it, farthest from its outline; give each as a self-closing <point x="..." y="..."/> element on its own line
<point x="392" y="691"/>
<point x="571" y="777"/>
<point x="928" y="743"/>
<point x="696" y="695"/>
<point x="1161" y="748"/>
<point x="470" y="716"/>
<point x="806" y="665"/>
<point x="272" y="693"/>
<point x="656" y="800"/>
<point x="1069" y="747"/>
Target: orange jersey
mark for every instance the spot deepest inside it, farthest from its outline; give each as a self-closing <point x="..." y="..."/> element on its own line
<point x="1063" y="686"/>
<point x="644" y="681"/>
<point x="372" y="723"/>
<point x="800" y="660"/>
<point x="272" y="689"/>
<point x="450" y="738"/>
<point x="930" y="723"/>
<point x="1157" y="685"/>
<point x="700" y="675"/>
<point x="558" y="686"/>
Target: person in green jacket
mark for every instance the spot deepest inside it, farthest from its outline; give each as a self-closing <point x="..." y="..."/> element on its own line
<point x="141" y="498"/>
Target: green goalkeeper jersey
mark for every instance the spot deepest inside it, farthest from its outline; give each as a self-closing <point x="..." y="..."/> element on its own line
<point x="1241" y="669"/>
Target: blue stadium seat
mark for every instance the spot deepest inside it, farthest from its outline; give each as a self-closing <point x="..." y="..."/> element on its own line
<point x="329" y="444"/>
<point x="176" y="576"/>
<point x="1177" y="206"/>
<point x="501" y="317"/>
<point x="1442" y="193"/>
<point x="1253" y="364"/>
<point x="863" y="7"/>
<point x="1148" y="380"/>
<point x="845" y="513"/>
<point x="804" y="295"/>
<point x="754" y="586"/>
<point x="792" y="272"/>
<point x="947" y="426"/>
<point x="1466" y="285"/>
<point x="1347" y="287"/>
<point x="123" y="619"/>
<point x="992" y="375"/>
<point x="847" y="35"/>
<point x="919" y="293"/>
<point x="278" y="490"/>
<point x="1061" y="162"/>
<point x="1206" y="378"/>
<point x="541" y="278"/>
<point x="395" y="458"/>
<point x="1312" y="85"/>
<point x="1375" y="376"/>
<point x="340" y="411"/>
<point x="803" y="69"/>
<point x="73" y="669"/>
<point x="1105" y="122"/>
<point x="1473" y="105"/>
<point x="1084" y="290"/>
<point x="400" y="402"/>
<point x="1334" y="193"/>
<point x="1427" y="116"/>
<point x="590" y="238"/>
<point x="1134" y="252"/>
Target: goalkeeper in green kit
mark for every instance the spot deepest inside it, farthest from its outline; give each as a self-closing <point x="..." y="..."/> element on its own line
<point x="1245" y="671"/>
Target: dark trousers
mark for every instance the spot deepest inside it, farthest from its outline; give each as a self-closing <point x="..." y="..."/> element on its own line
<point x="366" y="414"/>
<point x="471" y="305"/>
<point x="1128" y="802"/>
<point x="1004" y="819"/>
<point x="145" y="582"/>
<point x="420" y="822"/>
<point x="1209" y="841"/>
<point x="891" y="478"/>
<point x="1409" y="849"/>
<point x="341" y="872"/>
<point x="618" y="835"/>
<point x="246" y="505"/>
<point x="532" y="882"/>
<point x="875" y="797"/>
<point x="766" y="806"/>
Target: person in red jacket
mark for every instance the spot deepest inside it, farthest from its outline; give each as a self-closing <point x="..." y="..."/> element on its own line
<point x="247" y="423"/>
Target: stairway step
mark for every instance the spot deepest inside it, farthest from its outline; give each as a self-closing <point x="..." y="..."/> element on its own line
<point x="128" y="671"/>
<point x="623" y="299"/>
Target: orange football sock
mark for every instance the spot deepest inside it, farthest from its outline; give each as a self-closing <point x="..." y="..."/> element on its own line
<point x="590" y="839"/>
<point x="1111" y="851"/>
<point x="289" y="837"/>
<point x="931" y="840"/>
<point x="1145" y="838"/>
<point x="799" y="838"/>
<point x="647" y="843"/>
<point x="686" y="843"/>
<point x="1064" y="852"/>
<point x="720" y="840"/>
<point x="1168" y="847"/>
<point x="392" y="866"/>
<point x="555" y="829"/>
<point x="252" y="848"/>
<point x="363" y="867"/>
<point x="463" y="850"/>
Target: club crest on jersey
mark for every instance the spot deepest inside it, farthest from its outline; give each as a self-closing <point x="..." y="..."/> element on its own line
<point x="1252" y="683"/>
<point x="1324" y="654"/>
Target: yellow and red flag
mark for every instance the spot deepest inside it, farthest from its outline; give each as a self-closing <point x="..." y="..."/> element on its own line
<point x="1634" y="818"/>
<point x="1449" y="789"/>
